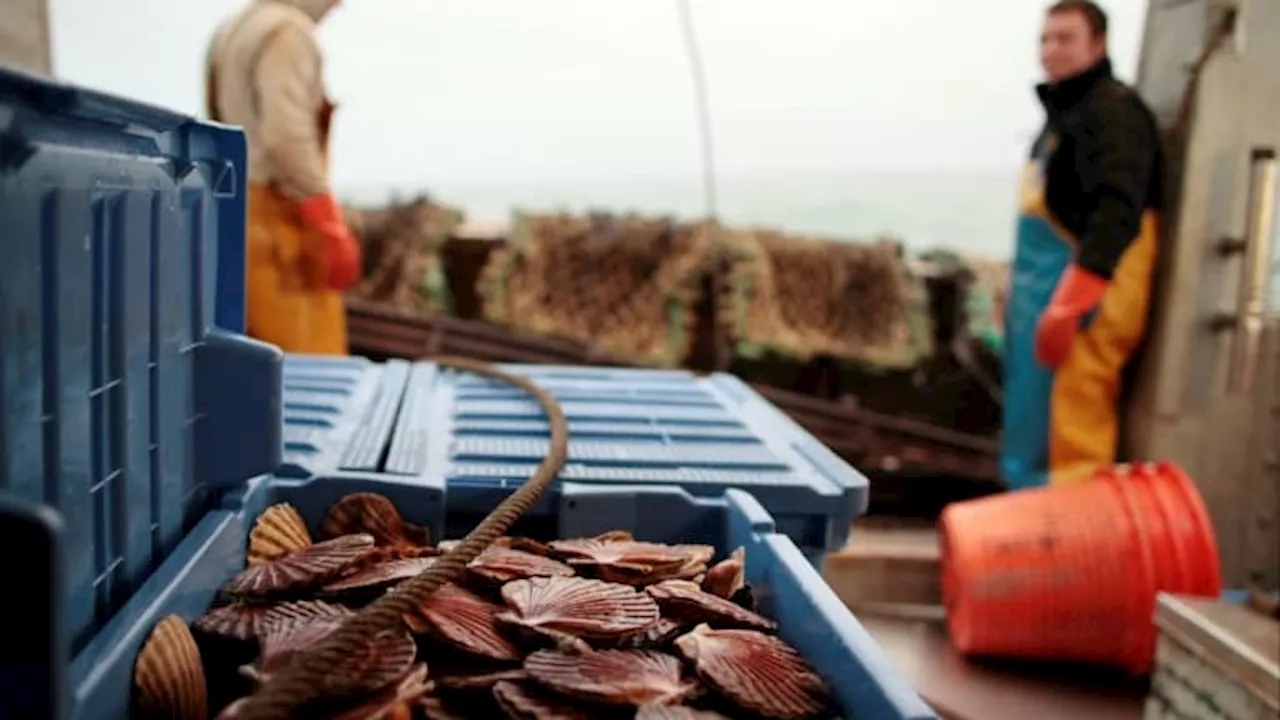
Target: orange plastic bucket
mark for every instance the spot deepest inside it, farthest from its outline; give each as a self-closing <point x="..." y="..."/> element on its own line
<point x="1072" y="572"/>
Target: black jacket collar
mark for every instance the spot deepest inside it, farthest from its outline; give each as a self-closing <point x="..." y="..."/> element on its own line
<point x="1063" y="96"/>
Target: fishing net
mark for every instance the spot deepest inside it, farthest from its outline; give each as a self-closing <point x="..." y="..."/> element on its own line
<point x="402" y="259"/>
<point x="986" y="289"/>
<point x="801" y="297"/>
<point x="624" y="285"/>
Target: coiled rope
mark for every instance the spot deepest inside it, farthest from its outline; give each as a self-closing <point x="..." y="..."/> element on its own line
<point x="305" y="679"/>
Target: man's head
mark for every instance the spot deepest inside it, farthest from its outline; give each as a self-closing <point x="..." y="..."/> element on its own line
<point x="1074" y="39"/>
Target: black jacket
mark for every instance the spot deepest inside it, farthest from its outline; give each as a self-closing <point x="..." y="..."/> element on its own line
<point x="1106" y="168"/>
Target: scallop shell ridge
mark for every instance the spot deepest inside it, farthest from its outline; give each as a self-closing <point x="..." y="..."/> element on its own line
<point x="168" y="676"/>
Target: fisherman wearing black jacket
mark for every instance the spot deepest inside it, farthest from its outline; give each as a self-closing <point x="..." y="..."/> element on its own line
<point x="1086" y="252"/>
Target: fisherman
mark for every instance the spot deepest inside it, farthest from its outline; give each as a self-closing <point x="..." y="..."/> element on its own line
<point x="264" y="73"/>
<point x="1085" y="254"/>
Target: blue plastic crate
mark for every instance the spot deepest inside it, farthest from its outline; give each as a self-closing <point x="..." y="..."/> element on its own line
<point x="627" y="426"/>
<point x="128" y="400"/>
<point x="338" y="412"/>
<point x="812" y="618"/>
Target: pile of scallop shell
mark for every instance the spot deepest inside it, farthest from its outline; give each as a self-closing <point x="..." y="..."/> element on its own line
<point x="603" y="627"/>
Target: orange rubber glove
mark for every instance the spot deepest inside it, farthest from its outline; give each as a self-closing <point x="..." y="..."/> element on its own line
<point x="341" y="252"/>
<point x="1079" y="291"/>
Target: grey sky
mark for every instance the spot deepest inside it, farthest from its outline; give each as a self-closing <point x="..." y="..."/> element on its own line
<point x="464" y="91"/>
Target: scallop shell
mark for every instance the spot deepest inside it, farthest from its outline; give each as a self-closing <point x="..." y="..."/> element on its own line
<point x="284" y="639"/>
<point x="483" y="681"/>
<point x="385" y="553"/>
<point x="302" y="569"/>
<point x="378" y="576"/>
<point x="237" y="621"/>
<point x="380" y="661"/>
<point x="727" y="576"/>
<point x="278" y="530"/>
<point x="304" y="610"/>
<point x="523" y="543"/>
<point x="168" y="678"/>
<point x="463" y="620"/>
<point x="676" y="712"/>
<point x="394" y="702"/>
<point x="502" y="565"/>
<point x="375" y="515"/>
<point x="578" y="606"/>
<point x="683" y="600"/>
<point x="642" y="556"/>
<point x="520" y="701"/>
<point x="758" y="672"/>
<point x="612" y="677"/>
<point x="662" y="632"/>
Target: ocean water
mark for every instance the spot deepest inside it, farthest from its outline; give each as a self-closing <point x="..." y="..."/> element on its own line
<point x="967" y="212"/>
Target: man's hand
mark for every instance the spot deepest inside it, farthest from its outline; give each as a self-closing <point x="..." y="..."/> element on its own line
<point x="341" y="252"/>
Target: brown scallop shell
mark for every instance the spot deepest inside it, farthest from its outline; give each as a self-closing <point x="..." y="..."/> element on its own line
<point x="685" y="601"/>
<point x="662" y="632"/>
<point x="528" y="545"/>
<point x="278" y="530"/>
<point x="578" y="607"/>
<point x="385" y="553"/>
<point x="304" y="610"/>
<point x="302" y="569"/>
<point x="380" y="661"/>
<point x="395" y="702"/>
<point x="168" y="678"/>
<point x="625" y="553"/>
<point x="502" y="565"/>
<point x="522" y="701"/>
<point x="758" y="672"/>
<point x="612" y="677"/>
<point x="284" y="639"/>
<point x="237" y="621"/>
<point x="463" y="620"/>
<point x="290" y="628"/>
<point x="727" y="576"/>
<point x="375" y="515"/>
<point x="676" y="712"/>
<point x="483" y="681"/>
<point x="381" y="575"/>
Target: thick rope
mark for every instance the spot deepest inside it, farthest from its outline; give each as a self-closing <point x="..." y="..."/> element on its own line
<point x="305" y="679"/>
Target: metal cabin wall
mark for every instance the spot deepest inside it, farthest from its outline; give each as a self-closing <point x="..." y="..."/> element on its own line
<point x="24" y="36"/>
<point x="1181" y="409"/>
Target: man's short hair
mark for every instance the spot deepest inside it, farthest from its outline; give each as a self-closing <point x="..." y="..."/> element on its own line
<point x="1094" y="16"/>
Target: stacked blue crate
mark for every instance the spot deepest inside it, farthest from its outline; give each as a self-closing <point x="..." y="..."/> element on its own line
<point x="123" y="383"/>
<point x="338" y="412"/>
<point x="627" y="426"/>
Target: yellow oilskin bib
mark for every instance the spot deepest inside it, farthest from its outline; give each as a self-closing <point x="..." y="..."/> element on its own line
<point x="288" y="304"/>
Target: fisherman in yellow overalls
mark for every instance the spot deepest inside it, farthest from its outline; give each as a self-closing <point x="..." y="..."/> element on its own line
<point x="1085" y="257"/>
<point x="264" y="73"/>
